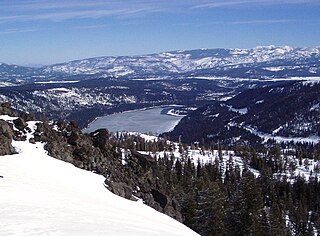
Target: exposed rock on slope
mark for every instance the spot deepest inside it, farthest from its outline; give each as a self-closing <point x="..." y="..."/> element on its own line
<point x="6" y="135"/>
<point x="6" y="131"/>
<point x="133" y="178"/>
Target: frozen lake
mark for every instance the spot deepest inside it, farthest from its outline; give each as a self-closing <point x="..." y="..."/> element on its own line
<point x="154" y="120"/>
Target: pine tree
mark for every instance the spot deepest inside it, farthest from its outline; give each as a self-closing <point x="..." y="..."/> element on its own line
<point x="244" y="213"/>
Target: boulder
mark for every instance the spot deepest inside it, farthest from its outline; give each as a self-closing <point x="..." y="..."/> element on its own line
<point x="5" y="109"/>
<point x="6" y="134"/>
<point x="159" y="197"/>
<point x="6" y="105"/>
<point x="20" y="124"/>
<point x="144" y="160"/>
<point x="119" y="188"/>
<point x="100" y="138"/>
<point x="27" y="116"/>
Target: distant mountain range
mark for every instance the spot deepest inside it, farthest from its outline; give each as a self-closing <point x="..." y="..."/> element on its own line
<point x="256" y="63"/>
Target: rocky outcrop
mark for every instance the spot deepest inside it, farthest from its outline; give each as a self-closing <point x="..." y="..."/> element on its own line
<point x="6" y="136"/>
<point x="20" y="124"/>
<point x="136" y="178"/>
<point x="121" y="189"/>
<point x="5" y="109"/>
<point x="144" y="160"/>
<point x="27" y="116"/>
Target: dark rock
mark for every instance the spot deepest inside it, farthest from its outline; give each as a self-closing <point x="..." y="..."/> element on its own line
<point x="73" y="138"/>
<point x="144" y="160"/>
<point x="159" y="198"/>
<point x="6" y="105"/>
<point x="100" y="138"/>
<point x="6" y="135"/>
<point x="74" y="126"/>
<point x="27" y="116"/>
<point x="32" y="140"/>
<point x="120" y="189"/>
<point x="20" y="123"/>
<point x="37" y="137"/>
<point x="5" y="109"/>
<point x="5" y="129"/>
<point x="19" y="136"/>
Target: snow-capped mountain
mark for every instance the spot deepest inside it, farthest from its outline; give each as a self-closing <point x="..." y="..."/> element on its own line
<point x="277" y="59"/>
<point x="258" y="62"/>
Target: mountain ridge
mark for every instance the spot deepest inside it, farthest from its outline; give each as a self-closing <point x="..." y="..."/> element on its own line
<point x="254" y="62"/>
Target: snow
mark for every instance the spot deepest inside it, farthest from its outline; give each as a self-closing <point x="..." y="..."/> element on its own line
<point x="182" y="61"/>
<point x="41" y="195"/>
<point x="172" y="113"/>
<point x="7" y="84"/>
<point x="315" y="107"/>
<point x="241" y="111"/>
<point x="57" y="82"/>
<point x="277" y="130"/>
<point x="275" y="68"/>
<point x="204" y="157"/>
<point x="311" y="139"/>
<point x="306" y="80"/>
<point x="306" y="168"/>
<point x="8" y="118"/>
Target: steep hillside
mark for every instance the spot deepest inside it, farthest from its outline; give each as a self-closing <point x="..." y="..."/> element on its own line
<point x="288" y="112"/>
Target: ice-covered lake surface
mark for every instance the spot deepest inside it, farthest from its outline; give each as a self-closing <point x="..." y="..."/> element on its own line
<point x="153" y="120"/>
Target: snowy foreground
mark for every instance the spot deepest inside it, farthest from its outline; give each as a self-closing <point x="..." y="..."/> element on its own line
<point x="40" y="195"/>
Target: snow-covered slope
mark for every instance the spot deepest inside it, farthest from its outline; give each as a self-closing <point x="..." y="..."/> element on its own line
<point x="41" y="195"/>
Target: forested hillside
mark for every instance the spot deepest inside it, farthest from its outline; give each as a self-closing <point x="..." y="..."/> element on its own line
<point x="281" y="113"/>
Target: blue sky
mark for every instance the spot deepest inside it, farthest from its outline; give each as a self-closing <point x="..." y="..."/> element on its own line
<point x="47" y="31"/>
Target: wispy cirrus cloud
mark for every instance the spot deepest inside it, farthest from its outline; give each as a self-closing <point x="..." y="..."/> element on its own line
<point x="61" y="10"/>
<point x="244" y="22"/>
<point x="234" y="3"/>
<point x="17" y="31"/>
<point x="263" y="22"/>
<point x="36" y="10"/>
<point x="84" y="27"/>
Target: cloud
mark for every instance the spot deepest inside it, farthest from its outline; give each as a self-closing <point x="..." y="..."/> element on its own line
<point x="245" y="22"/>
<point x="263" y="22"/>
<point x="91" y="26"/>
<point x="234" y="3"/>
<point x="17" y="31"/>
<point x="61" y="10"/>
<point x="36" y="10"/>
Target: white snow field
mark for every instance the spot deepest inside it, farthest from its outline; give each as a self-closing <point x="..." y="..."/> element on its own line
<point x="40" y="195"/>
